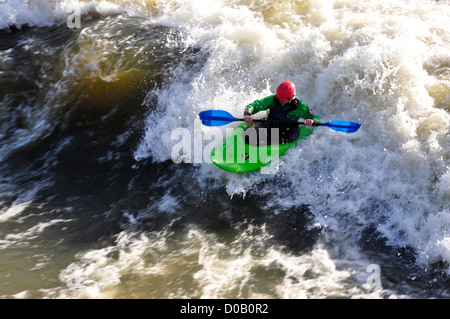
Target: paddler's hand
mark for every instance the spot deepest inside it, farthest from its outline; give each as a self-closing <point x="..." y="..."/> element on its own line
<point x="308" y="122"/>
<point x="248" y="119"/>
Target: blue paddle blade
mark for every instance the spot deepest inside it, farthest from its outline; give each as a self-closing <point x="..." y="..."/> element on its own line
<point x="216" y="118"/>
<point x="343" y="126"/>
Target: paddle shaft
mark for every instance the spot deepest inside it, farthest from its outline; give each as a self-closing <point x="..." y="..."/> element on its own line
<point x="332" y="125"/>
<point x="292" y="123"/>
<point x="220" y="117"/>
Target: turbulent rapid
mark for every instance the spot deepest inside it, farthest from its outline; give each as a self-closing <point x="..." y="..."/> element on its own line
<point x="95" y="203"/>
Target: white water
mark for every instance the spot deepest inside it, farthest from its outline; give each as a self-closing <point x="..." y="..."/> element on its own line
<point x="50" y="12"/>
<point x="383" y="64"/>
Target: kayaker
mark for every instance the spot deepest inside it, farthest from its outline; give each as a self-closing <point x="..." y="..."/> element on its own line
<point x="284" y="107"/>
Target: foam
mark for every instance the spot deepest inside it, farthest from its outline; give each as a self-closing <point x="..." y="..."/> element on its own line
<point x="48" y="12"/>
<point x="382" y="64"/>
<point x="12" y="211"/>
<point x="374" y="63"/>
<point x="199" y="265"/>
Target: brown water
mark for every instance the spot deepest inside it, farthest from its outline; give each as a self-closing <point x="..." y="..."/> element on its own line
<point x="93" y="204"/>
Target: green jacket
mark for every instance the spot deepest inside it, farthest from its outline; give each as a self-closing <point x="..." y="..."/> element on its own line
<point x="297" y="108"/>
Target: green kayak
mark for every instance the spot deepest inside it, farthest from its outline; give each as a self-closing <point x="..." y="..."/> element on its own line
<point x="235" y="155"/>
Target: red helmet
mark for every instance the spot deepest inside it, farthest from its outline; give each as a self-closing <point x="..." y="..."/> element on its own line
<point x="285" y="90"/>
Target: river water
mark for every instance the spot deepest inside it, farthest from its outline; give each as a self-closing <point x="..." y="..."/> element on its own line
<point x="94" y="203"/>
